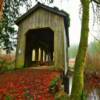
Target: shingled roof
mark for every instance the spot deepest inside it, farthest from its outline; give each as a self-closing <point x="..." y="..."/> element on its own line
<point x="54" y="10"/>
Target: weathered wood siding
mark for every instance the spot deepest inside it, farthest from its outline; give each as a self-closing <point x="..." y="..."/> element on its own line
<point x="41" y="19"/>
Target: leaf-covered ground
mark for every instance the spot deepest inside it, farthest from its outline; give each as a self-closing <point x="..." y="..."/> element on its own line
<point x="92" y="84"/>
<point x="27" y="84"/>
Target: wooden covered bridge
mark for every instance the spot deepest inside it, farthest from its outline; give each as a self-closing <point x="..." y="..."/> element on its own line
<point x="43" y="37"/>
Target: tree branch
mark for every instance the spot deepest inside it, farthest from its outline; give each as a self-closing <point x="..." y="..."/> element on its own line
<point x="96" y="1"/>
<point x="95" y="38"/>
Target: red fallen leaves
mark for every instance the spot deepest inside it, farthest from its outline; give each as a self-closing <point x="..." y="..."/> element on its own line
<point x="27" y="84"/>
<point x="7" y="58"/>
<point x="92" y="81"/>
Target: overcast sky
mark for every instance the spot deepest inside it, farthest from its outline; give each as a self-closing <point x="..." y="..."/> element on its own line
<point x="72" y="7"/>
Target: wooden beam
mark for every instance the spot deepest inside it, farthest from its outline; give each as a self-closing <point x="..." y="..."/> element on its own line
<point x="36" y="54"/>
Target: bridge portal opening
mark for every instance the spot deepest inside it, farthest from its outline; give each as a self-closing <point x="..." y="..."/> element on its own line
<point x="39" y="47"/>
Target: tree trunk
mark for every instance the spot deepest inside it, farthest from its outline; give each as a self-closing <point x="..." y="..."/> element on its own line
<point x="1" y="8"/>
<point x="78" y="80"/>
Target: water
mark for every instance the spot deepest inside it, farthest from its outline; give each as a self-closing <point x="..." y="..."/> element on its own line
<point x="94" y="95"/>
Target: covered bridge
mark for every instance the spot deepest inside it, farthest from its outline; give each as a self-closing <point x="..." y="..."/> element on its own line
<point x="43" y="37"/>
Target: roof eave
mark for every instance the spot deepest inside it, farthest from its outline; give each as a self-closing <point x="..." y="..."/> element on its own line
<point x="39" y="5"/>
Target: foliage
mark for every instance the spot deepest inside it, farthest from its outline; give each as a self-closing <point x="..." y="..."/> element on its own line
<point x="11" y="11"/>
<point x="73" y="51"/>
<point x="6" y="63"/>
<point x="27" y="84"/>
<point x="61" y="95"/>
<point x="94" y="48"/>
<point x="93" y="63"/>
<point x="8" y="97"/>
<point x="54" y="85"/>
<point x="84" y="95"/>
<point x="47" y="1"/>
<point x="92" y="70"/>
<point x="7" y="30"/>
<point x="82" y="50"/>
<point x="6" y="67"/>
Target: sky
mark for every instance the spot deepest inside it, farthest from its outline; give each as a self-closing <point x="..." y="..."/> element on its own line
<point x="73" y="8"/>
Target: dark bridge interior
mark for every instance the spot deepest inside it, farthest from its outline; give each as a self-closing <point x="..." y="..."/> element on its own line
<point x="39" y="47"/>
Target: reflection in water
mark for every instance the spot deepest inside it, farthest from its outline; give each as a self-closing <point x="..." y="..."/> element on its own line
<point x="94" y="95"/>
